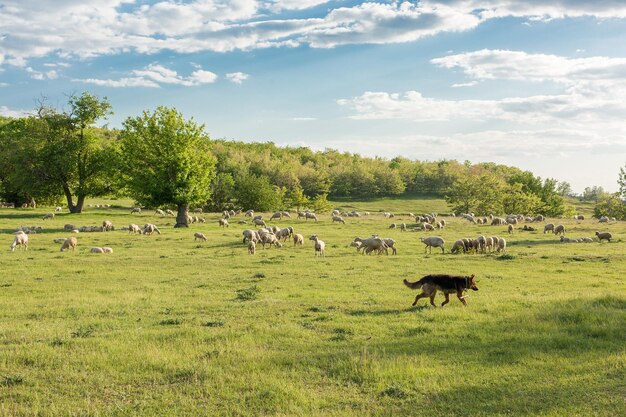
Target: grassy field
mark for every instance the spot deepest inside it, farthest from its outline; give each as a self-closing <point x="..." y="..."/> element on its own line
<point x="166" y="326"/>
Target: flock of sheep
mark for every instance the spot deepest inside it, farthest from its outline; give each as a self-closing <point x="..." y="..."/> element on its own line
<point x="277" y="236"/>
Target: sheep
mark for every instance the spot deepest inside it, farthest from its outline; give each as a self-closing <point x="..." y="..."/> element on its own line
<point x="427" y="226"/>
<point x="539" y="218"/>
<point x="285" y="233"/>
<point x="579" y="217"/>
<point x="69" y="243"/>
<point x="338" y="219"/>
<point x="490" y="243"/>
<point x="250" y="234"/>
<point x="586" y="239"/>
<point x="249" y="213"/>
<point x="318" y="246"/>
<point x="149" y="228"/>
<point x="270" y="239"/>
<point x="604" y="236"/>
<point x="106" y="249"/>
<point x="58" y="209"/>
<point x="136" y="210"/>
<point x="309" y="215"/>
<point x="197" y="210"/>
<point x="278" y="215"/>
<point x="223" y="222"/>
<point x="403" y="227"/>
<point x="335" y="213"/>
<point x="510" y="229"/>
<point x="528" y="228"/>
<point x="497" y="221"/>
<point x="107" y="225"/>
<point x="501" y="245"/>
<point x="134" y="229"/>
<point x="226" y="214"/>
<point x="458" y="246"/>
<point x="559" y="230"/>
<point x="199" y="235"/>
<point x="298" y="239"/>
<point x="21" y="240"/>
<point x="443" y="223"/>
<point x="548" y="228"/>
<point x="200" y="219"/>
<point x="393" y="226"/>
<point x="370" y="244"/>
<point x="390" y="244"/>
<point x="48" y="216"/>
<point x="439" y="225"/>
<point x="511" y="220"/>
<point x="259" y="222"/>
<point x="251" y="247"/>
<point x="159" y="212"/>
<point x="603" y="219"/>
<point x="96" y="250"/>
<point x="169" y="212"/>
<point x="568" y="240"/>
<point x="433" y="241"/>
<point x="69" y="227"/>
<point x="482" y="243"/>
<point x="257" y="217"/>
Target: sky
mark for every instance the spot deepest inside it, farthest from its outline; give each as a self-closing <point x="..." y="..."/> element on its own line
<point x="540" y="85"/>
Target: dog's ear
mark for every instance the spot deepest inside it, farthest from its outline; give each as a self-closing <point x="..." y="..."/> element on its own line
<point x="472" y="276"/>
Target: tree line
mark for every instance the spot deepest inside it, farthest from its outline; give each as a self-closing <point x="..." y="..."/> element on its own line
<point x="161" y="159"/>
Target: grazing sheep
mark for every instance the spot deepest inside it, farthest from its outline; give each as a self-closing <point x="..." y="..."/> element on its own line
<point x="579" y="217"/>
<point x="393" y="226"/>
<point x="548" y="228"/>
<point x="568" y="240"/>
<point x="528" y="228"/>
<point x="149" y="228"/>
<point x="223" y="222"/>
<point x="298" y="239"/>
<point x="197" y="210"/>
<point x="58" y="209"/>
<point x="338" y="219"/>
<point x="48" y="216"/>
<point x="69" y="243"/>
<point x="458" y="246"/>
<point x="319" y="245"/>
<point x="510" y="229"/>
<point x="309" y="215"/>
<point x="604" y="236"/>
<point x="433" y="241"/>
<point x="226" y="214"/>
<point x="106" y="249"/>
<point x="251" y="247"/>
<point x="200" y="219"/>
<point x="539" y="218"/>
<point x="285" y="233"/>
<point x="372" y="244"/>
<point x="603" y="219"/>
<point x="249" y="213"/>
<point x="270" y="239"/>
<point x="249" y="235"/>
<point x="199" y="235"/>
<point x="96" y="250"/>
<point x="134" y="229"/>
<point x="169" y="212"/>
<point x="69" y="227"/>
<point x="586" y="239"/>
<point x="21" y="240"/>
<point x="278" y="215"/>
<point x="559" y="230"/>
<point x="107" y="226"/>
<point x="501" y="245"/>
<point x="259" y="222"/>
<point x="335" y="213"/>
<point x="390" y="244"/>
<point x="136" y="210"/>
<point x="159" y="212"/>
<point x="403" y="227"/>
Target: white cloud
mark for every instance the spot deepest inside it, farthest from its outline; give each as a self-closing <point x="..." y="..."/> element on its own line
<point x="237" y="77"/>
<point x="153" y="76"/>
<point x="468" y="84"/>
<point x="7" y="112"/>
<point x="88" y="29"/>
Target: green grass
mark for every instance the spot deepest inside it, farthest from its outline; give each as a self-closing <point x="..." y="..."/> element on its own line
<point x="166" y="326"/>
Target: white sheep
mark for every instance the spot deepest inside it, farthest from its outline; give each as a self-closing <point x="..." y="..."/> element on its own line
<point x="433" y="241"/>
<point x="69" y="227"/>
<point x="69" y="243"/>
<point x="96" y="250"/>
<point x="249" y="213"/>
<point x="251" y="247"/>
<point x="150" y="228"/>
<point x="501" y="245"/>
<point x="106" y="249"/>
<point x="250" y="234"/>
<point x="107" y="226"/>
<point x="48" y="216"/>
<point x="278" y="215"/>
<point x="136" y="210"/>
<point x="197" y="210"/>
<point x="510" y="229"/>
<point x="403" y="227"/>
<point x="309" y="215"/>
<point x="285" y="233"/>
<point x="458" y="246"/>
<point x="134" y="229"/>
<point x="169" y="212"/>
<point x="199" y="235"/>
<point x="21" y="240"/>
<point x="338" y="219"/>
<point x="259" y="222"/>
<point x="223" y="222"/>
<point x="298" y="239"/>
<point x="319" y="245"/>
<point x="159" y="212"/>
<point x="58" y="209"/>
<point x="371" y="244"/>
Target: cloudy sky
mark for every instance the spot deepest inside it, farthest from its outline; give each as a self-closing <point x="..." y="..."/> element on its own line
<point x="536" y="84"/>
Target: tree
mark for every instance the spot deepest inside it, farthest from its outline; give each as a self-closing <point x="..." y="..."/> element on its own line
<point x="61" y="153"/>
<point x="222" y="192"/>
<point x="296" y="197"/>
<point x="480" y="194"/>
<point x="166" y="159"/>
<point x="256" y="193"/>
<point x="610" y="205"/>
<point x="621" y="181"/>
<point x="564" y="188"/>
<point x="594" y="193"/>
<point x="516" y="201"/>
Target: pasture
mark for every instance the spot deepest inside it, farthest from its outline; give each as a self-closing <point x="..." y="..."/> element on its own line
<point x="165" y="326"/>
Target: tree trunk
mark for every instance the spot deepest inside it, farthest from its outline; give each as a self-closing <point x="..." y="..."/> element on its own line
<point x="182" y="216"/>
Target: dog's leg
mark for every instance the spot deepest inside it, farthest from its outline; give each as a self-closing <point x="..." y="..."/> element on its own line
<point x="459" y="294"/>
<point x="432" y="298"/>
<point x="447" y="300"/>
<point x="422" y="295"/>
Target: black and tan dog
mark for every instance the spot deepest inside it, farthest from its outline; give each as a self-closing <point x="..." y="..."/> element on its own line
<point x="447" y="284"/>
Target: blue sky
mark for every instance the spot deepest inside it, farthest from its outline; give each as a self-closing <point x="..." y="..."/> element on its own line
<point x="534" y="84"/>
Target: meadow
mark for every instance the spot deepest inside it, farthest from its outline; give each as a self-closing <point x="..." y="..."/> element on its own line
<point x="166" y="326"/>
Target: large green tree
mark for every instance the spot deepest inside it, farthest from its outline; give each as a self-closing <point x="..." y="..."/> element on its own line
<point x="59" y="153"/>
<point x="165" y="160"/>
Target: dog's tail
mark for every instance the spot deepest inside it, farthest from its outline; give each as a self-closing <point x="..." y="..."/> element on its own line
<point x="413" y="285"/>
